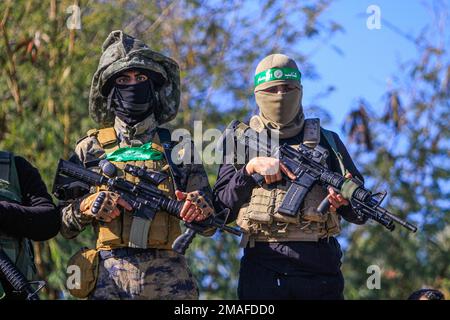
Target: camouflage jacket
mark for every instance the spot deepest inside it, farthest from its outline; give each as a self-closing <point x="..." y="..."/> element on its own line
<point x="89" y="149"/>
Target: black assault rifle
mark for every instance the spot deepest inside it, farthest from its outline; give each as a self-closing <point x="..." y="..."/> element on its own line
<point x="307" y="164"/>
<point x="11" y="274"/>
<point x="144" y="197"/>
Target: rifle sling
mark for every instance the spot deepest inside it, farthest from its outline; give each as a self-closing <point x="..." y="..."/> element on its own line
<point x="166" y="142"/>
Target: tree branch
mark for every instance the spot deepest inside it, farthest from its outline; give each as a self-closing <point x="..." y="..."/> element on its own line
<point x="11" y="70"/>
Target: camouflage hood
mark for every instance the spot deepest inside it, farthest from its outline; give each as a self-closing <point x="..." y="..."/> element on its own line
<point x="120" y="52"/>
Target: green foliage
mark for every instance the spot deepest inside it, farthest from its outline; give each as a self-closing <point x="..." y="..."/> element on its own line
<point x="46" y="70"/>
<point x="410" y="159"/>
<point x="45" y="76"/>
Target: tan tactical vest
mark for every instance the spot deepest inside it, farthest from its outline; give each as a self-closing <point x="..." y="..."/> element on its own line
<point x="164" y="229"/>
<point x="261" y="221"/>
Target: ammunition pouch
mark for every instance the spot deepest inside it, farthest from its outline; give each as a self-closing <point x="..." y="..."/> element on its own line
<point x="261" y="221"/>
<point x="85" y="264"/>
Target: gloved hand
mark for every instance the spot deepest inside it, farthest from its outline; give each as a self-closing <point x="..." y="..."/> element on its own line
<point x="103" y="206"/>
<point x="195" y="207"/>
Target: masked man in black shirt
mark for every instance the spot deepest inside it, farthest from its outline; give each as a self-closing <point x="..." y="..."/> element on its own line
<point x="285" y="257"/>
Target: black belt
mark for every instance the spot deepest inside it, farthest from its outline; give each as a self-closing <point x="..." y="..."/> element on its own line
<point x="268" y="243"/>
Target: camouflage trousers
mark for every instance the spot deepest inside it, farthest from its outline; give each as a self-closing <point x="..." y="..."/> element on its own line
<point x="146" y="275"/>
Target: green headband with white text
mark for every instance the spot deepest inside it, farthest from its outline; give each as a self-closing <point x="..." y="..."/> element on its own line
<point x="277" y="74"/>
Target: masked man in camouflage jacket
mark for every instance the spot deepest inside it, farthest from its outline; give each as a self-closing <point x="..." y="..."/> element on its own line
<point x="134" y="90"/>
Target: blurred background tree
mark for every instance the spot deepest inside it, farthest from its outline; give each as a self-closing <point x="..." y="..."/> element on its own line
<point x="46" y="70"/>
<point x="405" y="150"/>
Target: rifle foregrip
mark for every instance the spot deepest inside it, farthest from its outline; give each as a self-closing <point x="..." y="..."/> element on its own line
<point x="173" y="207"/>
<point x="181" y="244"/>
<point x="323" y="206"/>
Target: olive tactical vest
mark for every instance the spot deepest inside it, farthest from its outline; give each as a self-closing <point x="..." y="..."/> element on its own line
<point x="260" y="220"/>
<point x="20" y="251"/>
<point x="164" y="229"/>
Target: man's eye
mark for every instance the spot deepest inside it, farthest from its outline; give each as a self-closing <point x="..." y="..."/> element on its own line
<point x="141" y="78"/>
<point x="121" y="80"/>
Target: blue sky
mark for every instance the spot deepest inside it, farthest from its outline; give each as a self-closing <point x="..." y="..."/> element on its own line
<point x="370" y="57"/>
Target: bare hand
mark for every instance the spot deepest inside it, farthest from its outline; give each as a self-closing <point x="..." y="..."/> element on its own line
<point x="269" y="168"/>
<point x="336" y="199"/>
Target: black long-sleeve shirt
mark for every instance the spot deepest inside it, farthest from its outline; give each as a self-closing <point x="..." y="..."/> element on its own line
<point x="37" y="217"/>
<point x="234" y="187"/>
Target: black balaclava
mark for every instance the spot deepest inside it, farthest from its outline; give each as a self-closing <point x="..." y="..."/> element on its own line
<point x="133" y="103"/>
